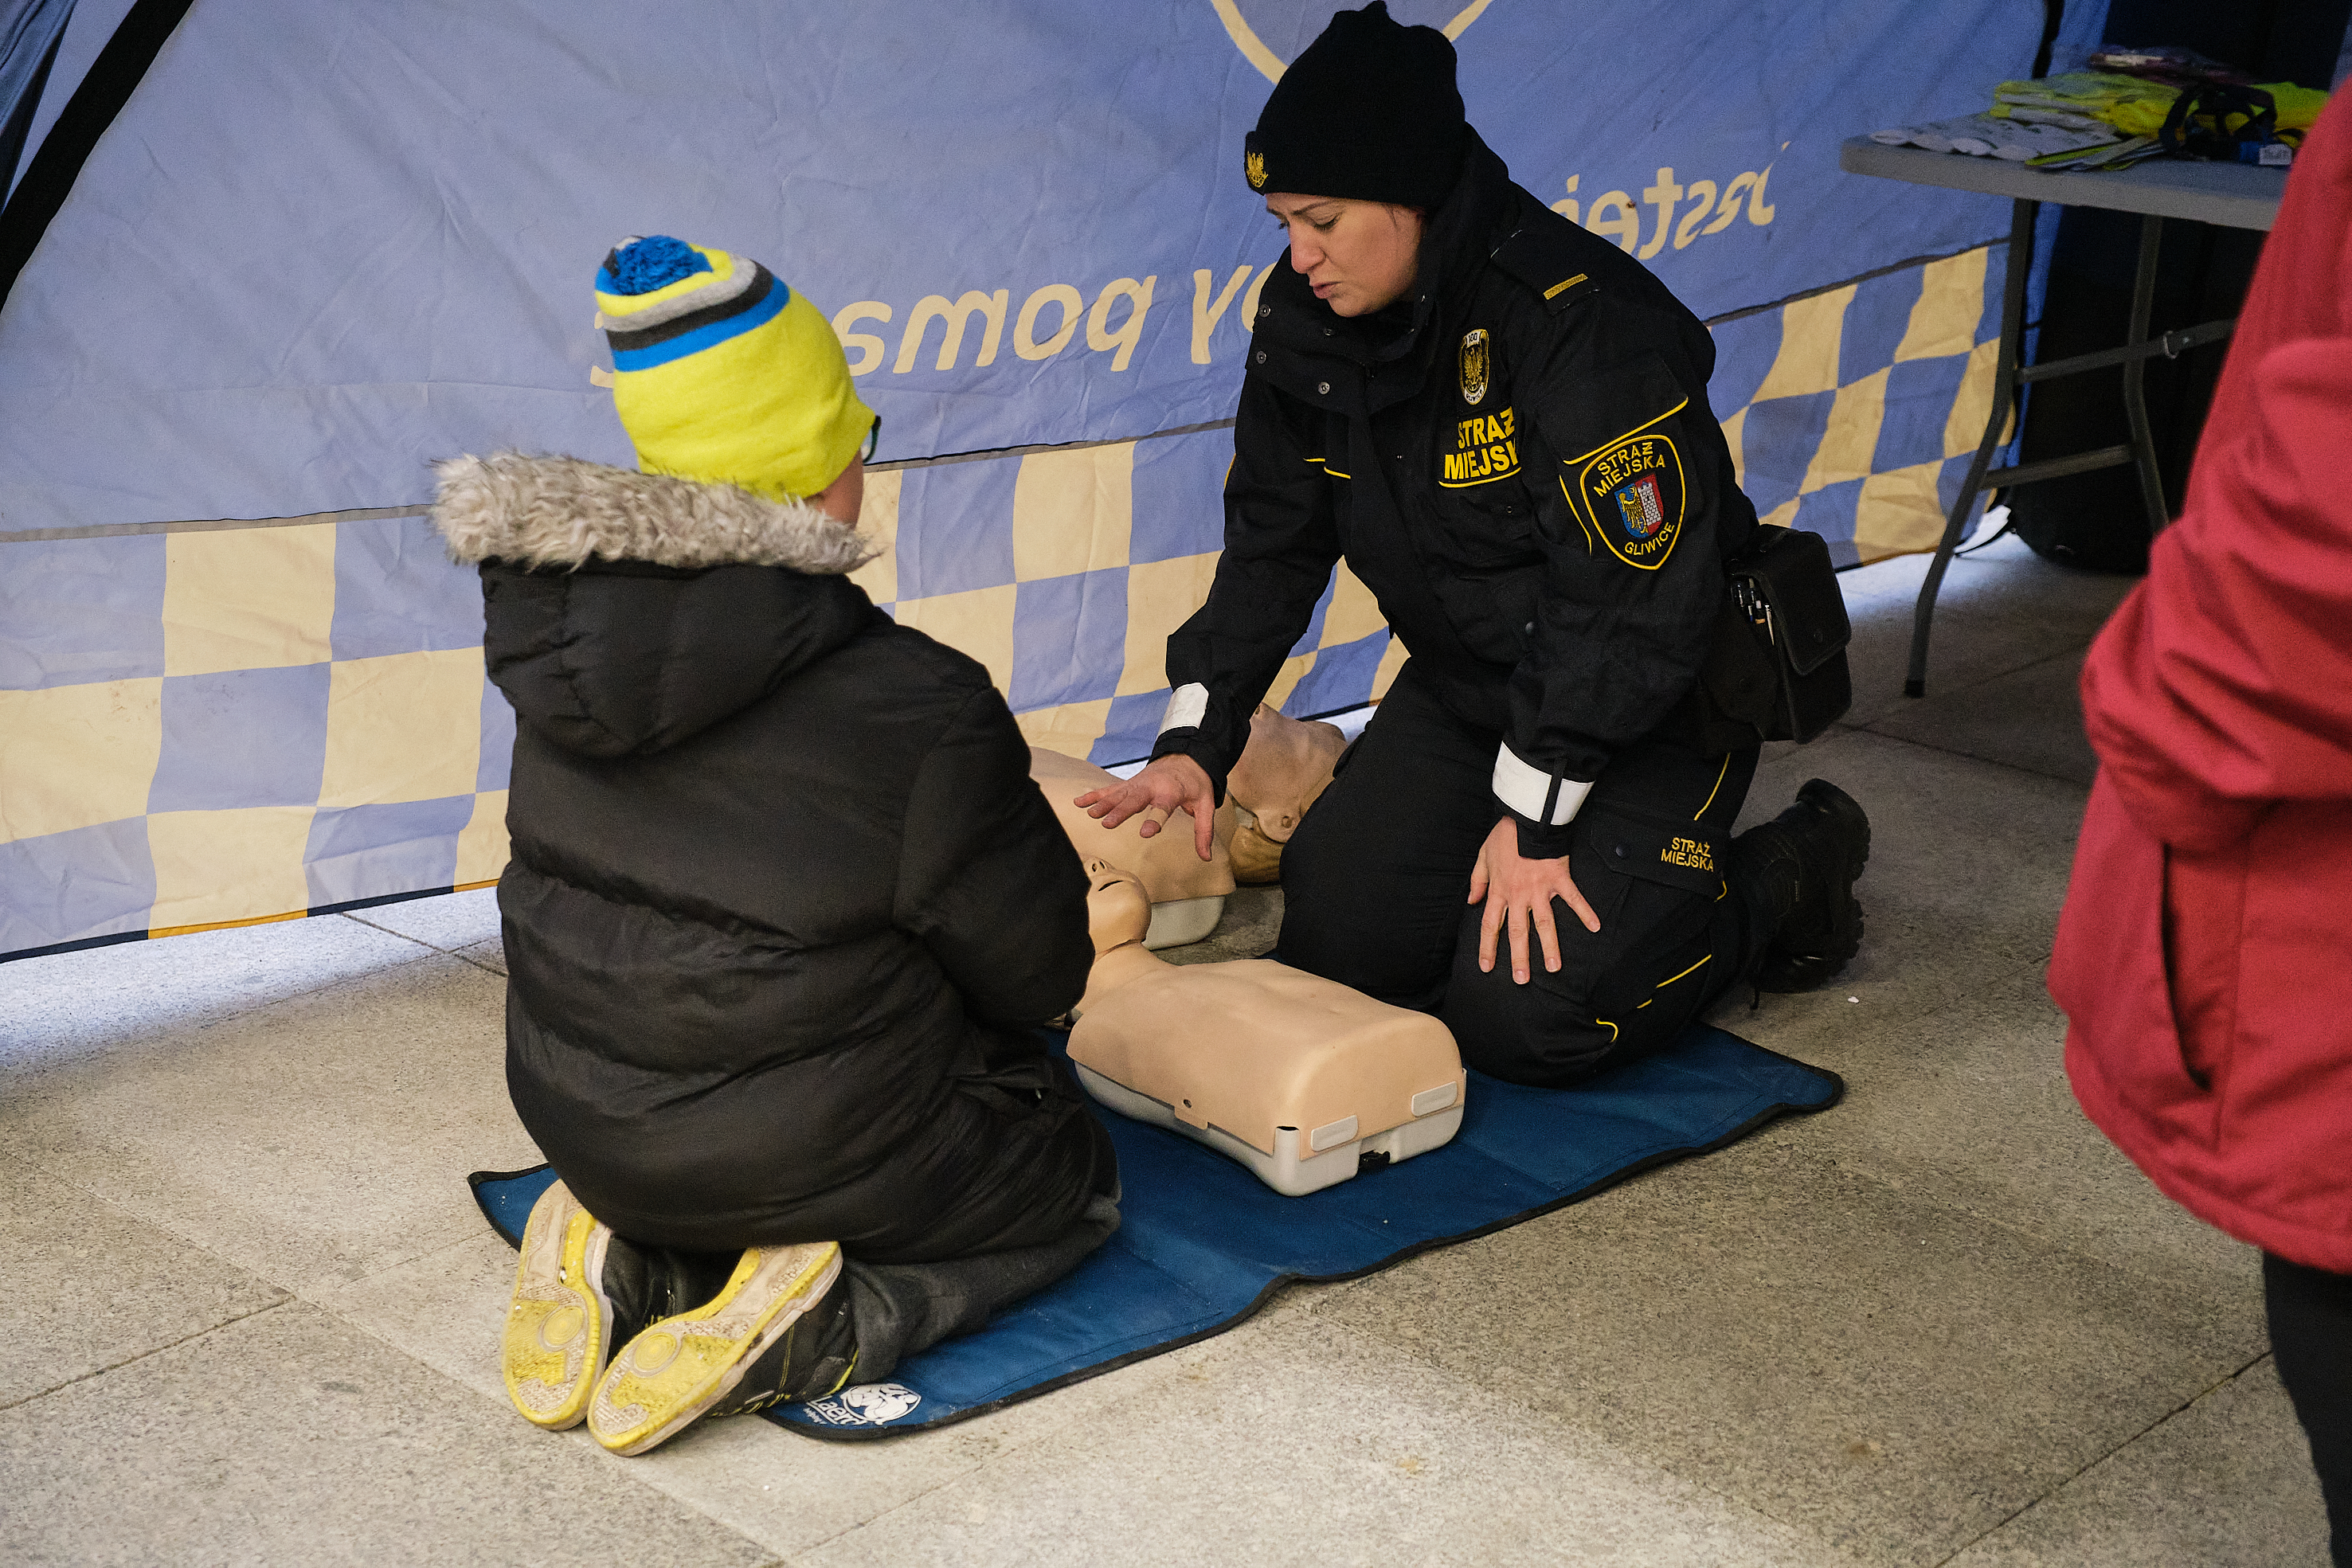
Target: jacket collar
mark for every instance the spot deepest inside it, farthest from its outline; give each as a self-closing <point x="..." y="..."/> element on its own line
<point x="564" y="511"/>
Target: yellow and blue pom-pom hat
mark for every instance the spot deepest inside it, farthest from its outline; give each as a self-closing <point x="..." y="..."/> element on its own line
<point x="722" y="374"/>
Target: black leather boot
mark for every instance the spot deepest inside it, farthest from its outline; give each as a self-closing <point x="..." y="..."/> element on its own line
<point x="646" y="1284"/>
<point x="817" y="1356"/>
<point x="1800" y="870"/>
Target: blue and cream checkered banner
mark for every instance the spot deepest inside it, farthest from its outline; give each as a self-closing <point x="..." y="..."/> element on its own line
<point x="320" y="248"/>
<point x="227" y="724"/>
<point x="1853" y="412"/>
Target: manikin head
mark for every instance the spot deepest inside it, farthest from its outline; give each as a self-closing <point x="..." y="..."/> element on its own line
<point x="1118" y="910"/>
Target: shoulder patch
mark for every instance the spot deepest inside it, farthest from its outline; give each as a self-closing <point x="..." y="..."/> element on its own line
<point x="1632" y="493"/>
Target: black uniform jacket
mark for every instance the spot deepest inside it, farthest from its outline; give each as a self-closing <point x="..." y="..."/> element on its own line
<point x="1519" y="460"/>
<point x="783" y="901"/>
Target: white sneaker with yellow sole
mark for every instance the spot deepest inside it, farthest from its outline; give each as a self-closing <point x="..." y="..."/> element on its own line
<point x="559" y="1326"/>
<point x="683" y="1366"/>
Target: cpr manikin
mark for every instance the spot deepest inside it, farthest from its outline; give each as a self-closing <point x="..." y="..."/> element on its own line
<point x="1300" y="1079"/>
<point x="1283" y="768"/>
<point x="1187" y="894"/>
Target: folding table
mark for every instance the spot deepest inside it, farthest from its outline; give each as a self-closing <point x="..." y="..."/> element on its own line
<point x="2233" y="195"/>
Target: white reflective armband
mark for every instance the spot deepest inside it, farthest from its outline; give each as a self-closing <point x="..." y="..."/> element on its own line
<point x="1533" y="794"/>
<point x="1187" y="705"/>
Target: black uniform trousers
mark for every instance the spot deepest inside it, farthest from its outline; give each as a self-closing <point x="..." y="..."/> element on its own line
<point x="2311" y="1338"/>
<point x="1377" y="878"/>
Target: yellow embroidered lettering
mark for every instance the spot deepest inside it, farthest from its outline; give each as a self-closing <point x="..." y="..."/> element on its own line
<point x="1689" y="853"/>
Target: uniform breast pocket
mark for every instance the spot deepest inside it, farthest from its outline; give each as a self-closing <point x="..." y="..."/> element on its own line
<point x="1490" y="525"/>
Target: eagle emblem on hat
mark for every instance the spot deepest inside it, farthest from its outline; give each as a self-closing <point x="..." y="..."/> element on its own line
<point x="1474" y="366"/>
<point x="1253" y="165"/>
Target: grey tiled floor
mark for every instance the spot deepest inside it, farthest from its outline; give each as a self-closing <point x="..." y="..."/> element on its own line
<point x="252" y="1310"/>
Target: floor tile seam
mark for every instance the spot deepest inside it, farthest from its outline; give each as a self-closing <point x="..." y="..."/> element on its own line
<point x="1902" y="610"/>
<point x="1533" y="1417"/>
<point x="287" y="1291"/>
<point x="1947" y="683"/>
<point x="83" y="1056"/>
<point x="285" y="1299"/>
<point x="1841" y="1164"/>
<point x="650" y="1477"/>
<point x="645" y="1475"/>
<point x="404" y="937"/>
<point x="422" y="954"/>
<point x="2201" y="1395"/>
<point x="1167" y="1364"/>
<point x="470" y="1238"/>
<point x="806" y="1552"/>
<point x="1873" y="730"/>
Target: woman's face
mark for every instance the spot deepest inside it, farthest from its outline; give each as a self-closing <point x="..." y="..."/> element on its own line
<point x="1359" y="256"/>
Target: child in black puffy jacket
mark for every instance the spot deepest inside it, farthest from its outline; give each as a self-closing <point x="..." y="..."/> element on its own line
<point x="783" y="907"/>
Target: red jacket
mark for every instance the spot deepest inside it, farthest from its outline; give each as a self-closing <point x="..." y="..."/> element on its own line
<point x="2204" y="959"/>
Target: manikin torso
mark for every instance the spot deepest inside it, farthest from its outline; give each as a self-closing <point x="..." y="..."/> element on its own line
<point x="1306" y="1075"/>
<point x="1187" y="894"/>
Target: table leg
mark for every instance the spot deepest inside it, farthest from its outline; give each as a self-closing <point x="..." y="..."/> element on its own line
<point x="2143" y="440"/>
<point x="2004" y="394"/>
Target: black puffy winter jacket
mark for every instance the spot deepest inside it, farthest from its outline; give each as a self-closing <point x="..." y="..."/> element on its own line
<point x="783" y="900"/>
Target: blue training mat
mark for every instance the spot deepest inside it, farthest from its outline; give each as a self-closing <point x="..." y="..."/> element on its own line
<point x="1202" y="1244"/>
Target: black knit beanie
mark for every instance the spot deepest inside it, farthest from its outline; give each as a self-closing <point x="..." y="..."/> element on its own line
<point x="1369" y="110"/>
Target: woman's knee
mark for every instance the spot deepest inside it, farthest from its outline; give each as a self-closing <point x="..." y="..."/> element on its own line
<point x="1532" y="1034"/>
<point x="1609" y="1003"/>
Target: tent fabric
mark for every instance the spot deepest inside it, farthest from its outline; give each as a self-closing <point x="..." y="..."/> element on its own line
<point x="29" y="33"/>
<point x="90" y="26"/>
<point x="319" y="247"/>
<point x="1028" y="224"/>
<point x="1202" y="1244"/>
<point x="212" y="727"/>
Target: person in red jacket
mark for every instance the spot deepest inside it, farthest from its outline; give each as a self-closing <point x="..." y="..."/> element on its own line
<point x="2209" y="927"/>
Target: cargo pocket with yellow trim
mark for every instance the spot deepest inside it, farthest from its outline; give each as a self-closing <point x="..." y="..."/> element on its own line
<point x="1662" y="940"/>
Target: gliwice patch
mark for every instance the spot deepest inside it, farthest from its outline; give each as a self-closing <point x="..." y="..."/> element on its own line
<point x="1632" y="494"/>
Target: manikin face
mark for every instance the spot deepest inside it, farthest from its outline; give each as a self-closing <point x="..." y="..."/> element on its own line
<point x="1358" y="256"/>
<point x="1118" y="910"/>
<point x="844" y="498"/>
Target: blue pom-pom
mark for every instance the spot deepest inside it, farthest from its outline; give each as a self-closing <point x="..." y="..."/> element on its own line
<point x="645" y="264"/>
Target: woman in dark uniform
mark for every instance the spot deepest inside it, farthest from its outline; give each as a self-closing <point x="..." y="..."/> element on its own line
<point x="1500" y="421"/>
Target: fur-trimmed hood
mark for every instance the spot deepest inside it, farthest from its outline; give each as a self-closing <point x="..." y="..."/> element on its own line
<point x="566" y="511"/>
<point x="623" y="614"/>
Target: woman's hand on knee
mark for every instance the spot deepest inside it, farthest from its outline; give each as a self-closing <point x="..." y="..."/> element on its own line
<point x="1519" y="892"/>
<point x="1165" y="785"/>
